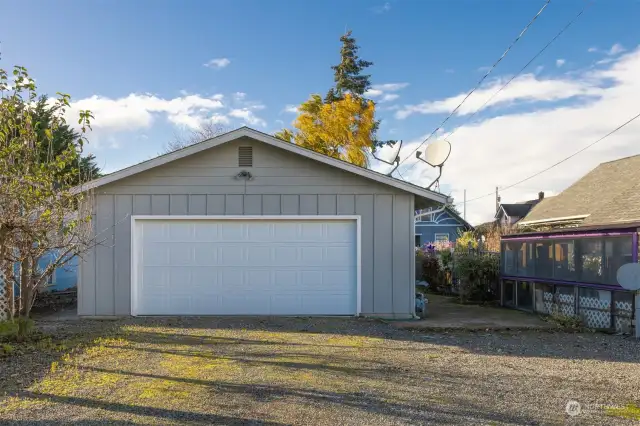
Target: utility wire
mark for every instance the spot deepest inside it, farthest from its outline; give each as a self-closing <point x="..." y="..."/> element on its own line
<point x="495" y="64"/>
<point x="561" y="161"/>
<point x="566" y="27"/>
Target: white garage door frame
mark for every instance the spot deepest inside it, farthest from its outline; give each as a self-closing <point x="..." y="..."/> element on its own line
<point x="135" y="243"/>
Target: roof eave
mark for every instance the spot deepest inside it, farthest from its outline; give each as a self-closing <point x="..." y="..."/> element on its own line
<point x="270" y="140"/>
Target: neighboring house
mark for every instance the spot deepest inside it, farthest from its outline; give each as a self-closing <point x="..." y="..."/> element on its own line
<point x="510" y="214"/>
<point x="63" y="278"/>
<point x="444" y="225"/>
<point x="580" y="239"/>
<point x="247" y="224"/>
<point x="609" y="194"/>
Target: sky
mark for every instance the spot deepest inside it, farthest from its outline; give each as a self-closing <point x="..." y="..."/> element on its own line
<point x="151" y="70"/>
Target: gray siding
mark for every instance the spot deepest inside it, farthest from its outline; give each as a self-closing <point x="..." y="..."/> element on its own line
<point x="284" y="183"/>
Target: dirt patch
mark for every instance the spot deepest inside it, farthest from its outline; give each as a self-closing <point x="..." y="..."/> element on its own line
<point x="445" y="313"/>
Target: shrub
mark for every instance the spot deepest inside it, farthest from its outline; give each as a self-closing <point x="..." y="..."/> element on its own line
<point x="479" y="275"/>
<point x="465" y="239"/>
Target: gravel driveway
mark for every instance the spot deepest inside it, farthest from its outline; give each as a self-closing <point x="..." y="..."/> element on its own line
<point x="315" y="371"/>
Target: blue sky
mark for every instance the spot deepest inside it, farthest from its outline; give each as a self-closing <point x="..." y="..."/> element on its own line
<point x="151" y="69"/>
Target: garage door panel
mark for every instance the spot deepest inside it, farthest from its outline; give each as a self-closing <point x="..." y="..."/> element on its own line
<point x="246" y="267"/>
<point x="260" y="231"/>
<point x="155" y="255"/>
<point x="181" y="231"/>
<point x="313" y="231"/>
<point x="319" y="305"/>
<point x="181" y="254"/>
<point x="232" y="255"/>
<point x="206" y="254"/>
<point x="340" y="232"/>
<point x="232" y="232"/>
<point x="336" y="255"/>
<point x="153" y="231"/>
<point x="205" y="232"/>
<point x="259" y="255"/>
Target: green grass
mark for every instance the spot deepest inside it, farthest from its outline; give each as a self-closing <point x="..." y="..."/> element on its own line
<point x="629" y="411"/>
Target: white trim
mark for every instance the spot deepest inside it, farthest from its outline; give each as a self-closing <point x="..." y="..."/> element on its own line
<point x="357" y="218"/>
<point x="501" y="208"/>
<point x="553" y="219"/>
<point x="412" y="263"/>
<point x="270" y="140"/>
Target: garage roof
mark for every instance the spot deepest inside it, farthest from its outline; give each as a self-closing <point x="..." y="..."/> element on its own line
<point x="270" y="140"/>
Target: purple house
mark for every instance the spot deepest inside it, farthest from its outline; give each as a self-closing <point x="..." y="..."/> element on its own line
<point x="566" y="257"/>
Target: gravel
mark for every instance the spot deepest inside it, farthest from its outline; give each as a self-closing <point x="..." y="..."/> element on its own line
<point x="315" y="371"/>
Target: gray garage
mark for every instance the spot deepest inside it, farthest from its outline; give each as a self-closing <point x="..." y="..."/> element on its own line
<point x="246" y="224"/>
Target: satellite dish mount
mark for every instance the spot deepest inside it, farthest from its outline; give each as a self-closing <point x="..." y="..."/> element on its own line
<point x="435" y="155"/>
<point x="393" y="159"/>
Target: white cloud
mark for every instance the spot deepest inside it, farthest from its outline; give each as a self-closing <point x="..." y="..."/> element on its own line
<point x="248" y="116"/>
<point x="141" y="111"/>
<point x="384" y="91"/>
<point x="560" y="62"/>
<point x="616" y="49"/>
<point x="383" y="8"/>
<point x="389" y="97"/>
<point x="218" y="63"/>
<point x="219" y="119"/>
<point x="138" y="110"/>
<point x="592" y="49"/>
<point x="502" y="150"/>
<point x="292" y="109"/>
<point x="239" y="96"/>
<point x="525" y="88"/>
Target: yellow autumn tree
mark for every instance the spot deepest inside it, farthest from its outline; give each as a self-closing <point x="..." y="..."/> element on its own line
<point x="343" y="129"/>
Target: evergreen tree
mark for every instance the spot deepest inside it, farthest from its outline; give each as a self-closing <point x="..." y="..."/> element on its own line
<point x="348" y="73"/>
<point x="349" y="79"/>
<point x="61" y="138"/>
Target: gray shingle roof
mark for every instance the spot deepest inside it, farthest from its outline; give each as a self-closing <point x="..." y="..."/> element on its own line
<point x="609" y="194"/>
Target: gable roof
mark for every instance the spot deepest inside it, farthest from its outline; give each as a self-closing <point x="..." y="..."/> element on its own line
<point x="516" y="210"/>
<point x="270" y="140"/>
<point x="608" y="194"/>
<point x="460" y="219"/>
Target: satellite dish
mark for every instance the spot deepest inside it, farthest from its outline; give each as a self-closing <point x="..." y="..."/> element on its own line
<point x="390" y="155"/>
<point x="435" y="155"/>
<point x="629" y="276"/>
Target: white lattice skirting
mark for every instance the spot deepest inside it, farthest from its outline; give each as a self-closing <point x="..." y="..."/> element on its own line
<point x="5" y="302"/>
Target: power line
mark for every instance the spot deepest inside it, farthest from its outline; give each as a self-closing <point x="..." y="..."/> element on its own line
<point x="566" y="27"/>
<point x="561" y="161"/>
<point x="495" y="64"/>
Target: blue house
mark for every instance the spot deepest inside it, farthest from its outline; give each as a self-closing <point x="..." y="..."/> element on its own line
<point x="438" y="225"/>
<point x="63" y="278"/>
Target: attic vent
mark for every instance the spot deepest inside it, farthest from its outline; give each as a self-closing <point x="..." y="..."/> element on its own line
<point x="245" y="156"/>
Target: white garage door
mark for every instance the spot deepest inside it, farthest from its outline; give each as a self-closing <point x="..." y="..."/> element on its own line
<point x="244" y="267"/>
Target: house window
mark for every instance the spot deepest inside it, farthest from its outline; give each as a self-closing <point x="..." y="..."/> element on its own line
<point x="418" y="244"/>
<point x="441" y="238"/>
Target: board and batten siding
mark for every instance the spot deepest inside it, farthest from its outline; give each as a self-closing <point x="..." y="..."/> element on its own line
<point x="283" y="184"/>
